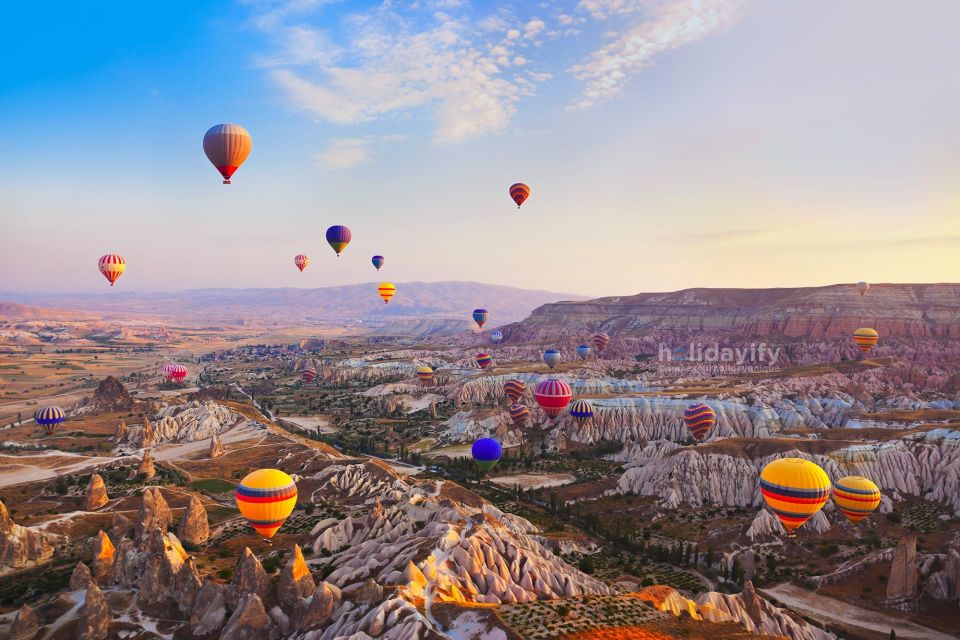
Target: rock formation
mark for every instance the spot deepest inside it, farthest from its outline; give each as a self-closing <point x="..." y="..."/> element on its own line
<point x="80" y="577"/>
<point x="145" y="436"/>
<point x="314" y="612"/>
<point x="295" y="580"/>
<point x="249" y="578"/>
<point x="249" y="621"/>
<point x="216" y="447"/>
<point x="96" y="493"/>
<point x="146" y="469"/>
<point x="111" y="395"/>
<point x="104" y="555"/>
<point x="22" y="547"/>
<point x="120" y="435"/>
<point x="93" y="620"/>
<point x="195" y="420"/>
<point x="209" y="610"/>
<point x="120" y="526"/>
<point x="760" y="617"/>
<point x="194" y="527"/>
<point x="25" y="625"/>
<point x="902" y="582"/>
<point x="154" y="512"/>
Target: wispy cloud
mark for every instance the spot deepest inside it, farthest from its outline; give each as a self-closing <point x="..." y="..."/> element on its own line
<point x="665" y="25"/>
<point x="346" y="153"/>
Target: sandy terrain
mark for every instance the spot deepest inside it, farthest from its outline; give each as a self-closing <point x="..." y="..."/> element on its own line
<point x="535" y="480"/>
<point x="310" y="423"/>
<point x="831" y="610"/>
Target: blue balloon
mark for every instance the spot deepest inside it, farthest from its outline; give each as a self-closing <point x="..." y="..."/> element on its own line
<point x="496" y="336"/>
<point x="584" y="351"/>
<point x="377" y="261"/>
<point x="551" y="357"/>
<point x="486" y="450"/>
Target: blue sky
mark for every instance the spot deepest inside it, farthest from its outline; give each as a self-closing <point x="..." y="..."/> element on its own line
<point x="668" y="143"/>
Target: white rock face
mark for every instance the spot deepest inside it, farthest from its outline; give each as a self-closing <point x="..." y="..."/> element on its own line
<point x="758" y="616"/>
<point x="186" y="423"/>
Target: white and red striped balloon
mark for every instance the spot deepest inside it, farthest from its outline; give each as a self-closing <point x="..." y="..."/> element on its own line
<point x="301" y="261"/>
<point x="112" y="267"/>
<point x="553" y="396"/>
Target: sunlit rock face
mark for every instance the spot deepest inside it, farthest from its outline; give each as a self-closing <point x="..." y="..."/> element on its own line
<point x="22" y="547"/>
<point x="758" y="616"/>
<point x="196" y="420"/>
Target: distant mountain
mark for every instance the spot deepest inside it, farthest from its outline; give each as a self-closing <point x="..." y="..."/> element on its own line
<point x="914" y="310"/>
<point x="11" y="311"/>
<point x="349" y="304"/>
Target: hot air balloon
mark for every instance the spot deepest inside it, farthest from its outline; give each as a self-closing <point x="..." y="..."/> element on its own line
<point x="514" y="389"/>
<point x="386" y="291"/>
<point x="863" y="287"/>
<point x="480" y="317"/>
<point x="856" y="497"/>
<point x="166" y="370"/>
<point x="301" y="261"/>
<point x="112" y="267"/>
<point x="600" y="341"/>
<point x="496" y="336"/>
<point x="699" y="419"/>
<point x="866" y="338"/>
<point x="338" y="237"/>
<point x="794" y="489"/>
<point x="265" y="498"/>
<point x="486" y="453"/>
<point x="551" y="357"/>
<point x="49" y="418"/>
<point x="484" y="360"/>
<point x="309" y="374"/>
<point x="519" y="192"/>
<point x="553" y="396"/>
<point x="582" y="411"/>
<point x="519" y="414"/>
<point x="227" y="146"/>
<point x="425" y="375"/>
<point x="178" y="373"/>
<point x="584" y="351"/>
<point x="377" y="261"/>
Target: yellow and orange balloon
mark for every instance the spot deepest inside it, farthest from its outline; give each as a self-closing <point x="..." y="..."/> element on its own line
<point x="866" y="338"/>
<point x="266" y="498"/>
<point x="795" y="489"/>
<point x="386" y="291"/>
<point x="856" y="497"/>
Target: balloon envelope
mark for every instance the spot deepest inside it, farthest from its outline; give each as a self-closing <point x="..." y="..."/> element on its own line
<point x="309" y="374"/>
<point x="553" y="396"/>
<point x="338" y="237"/>
<point x="486" y="453"/>
<point x="49" y="418"/>
<point x="177" y="373"/>
<point x="856" y="497"/>
<point x="519" y="414"/>
<point x="551" y="357"/>
<point x="480" y="317"/>
<point x="866" y="338"/>
<point x="581" y="410"/>
<point x="301" y="261"/>
<point x="699" y="419"/>
<point x="377" y="261"/>
<point x="600" y="341"/>
<point x="584" y="351"/>
<point x="863" y="287"/>
<point x="227" y="146"/>
<point x="484" y="360"/>
<point x="425" y="375"/>
<point x="519" y="192"/>
<point x="795" y="489"/>
<point x="265" y="498"/>
<point x="496" y="337"/>
<point x="514" y="389"/>
<point x="386" y="291"/>
<point x="112" y="267"/>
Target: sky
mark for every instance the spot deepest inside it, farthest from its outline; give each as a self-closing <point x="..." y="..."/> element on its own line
<point x="667" y="143"/>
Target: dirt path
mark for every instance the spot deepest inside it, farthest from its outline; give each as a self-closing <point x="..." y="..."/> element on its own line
<point x="831" y="610"/>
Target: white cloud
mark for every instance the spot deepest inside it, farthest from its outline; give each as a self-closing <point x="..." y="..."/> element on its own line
<point x="346" y="153"/>
<point x="666" y="25"/>
<point x="533" y="27"/>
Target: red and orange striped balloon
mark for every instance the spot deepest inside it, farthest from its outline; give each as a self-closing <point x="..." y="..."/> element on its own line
<point x="112" y="267"/>
<point x="514" y="389"/>
<point x="866" y="338"/>
<point x="301" y="261"/>
<point x="519" y="192"/>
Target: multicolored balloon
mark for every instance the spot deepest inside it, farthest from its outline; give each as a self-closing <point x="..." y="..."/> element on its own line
<point x="514" y="389"/>
<point x="377" y="261"/>
<point x="309" y="374"/>
<point x="338" y="237"/>
<point x="486" y="453"/>
<point x="496" y="336"/>
<point x="49" y="418"/>
<point x="480" y="317"/>
<point x="484" y="360"/>
<point x="600" y="341"/>
<point x="553" y="396"/>
<point x="519" y="192"/>
<point x="795" y="489"/>
<point x="551" y="357"/>
<point x="699" y="419"/>
<point x="266" y="498"/>
<point x="301" y="261"/>
<point x="386" y="291"/>
<point x="425" y="375"/>
<point x="582" y="411"/>
<point x="863" y="287"/>
<point x="866" y="338"/>
<point x="856" y="497"/>
<point x="112" y="267"/>
<point x="227" y="146"/>
<point x="519" y="414"/>
<point x="584" y="351"/>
